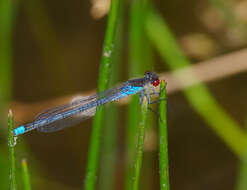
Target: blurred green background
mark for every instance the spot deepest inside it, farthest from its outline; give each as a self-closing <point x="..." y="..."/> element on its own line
<point x="51" y="50"/>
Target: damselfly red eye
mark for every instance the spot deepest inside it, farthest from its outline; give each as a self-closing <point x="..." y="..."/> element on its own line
<point x="156" y="82"/>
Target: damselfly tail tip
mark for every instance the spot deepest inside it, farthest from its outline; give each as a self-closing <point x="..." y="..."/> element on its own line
<point x="19" y="130"/>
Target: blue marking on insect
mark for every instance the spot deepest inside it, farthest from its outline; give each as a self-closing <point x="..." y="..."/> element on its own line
<point x="68" y="115"/>
<point x="19" y="130"/>
<point x="129" y="90"/>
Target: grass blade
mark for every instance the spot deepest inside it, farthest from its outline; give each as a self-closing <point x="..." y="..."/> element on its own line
<point x="25" y="175"/>
<point x="6" y="160"/>
<point x="93" y="155"/>
<point x="198" y="96"/>
<point x="6" y="15"/>
<point x="163" y="141"/>
<point x="241" y="180"/>
<point x="11" y="145"/>
<point x="131" y="134"/>
<point x="139" y="154"/>
<point x="139" y="61"/>
<point x="109" y="146"/>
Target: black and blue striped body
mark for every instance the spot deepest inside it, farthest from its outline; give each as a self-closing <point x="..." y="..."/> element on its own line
<point x="126" y="90"/>
<point x="64" y="116"/>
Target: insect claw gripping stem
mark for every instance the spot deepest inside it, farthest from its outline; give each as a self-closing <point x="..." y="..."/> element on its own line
<point x="158" y="94"/>
<point x="157" y="101"/>
<point x="155" y="112"/>
<point x="163" y="87"/>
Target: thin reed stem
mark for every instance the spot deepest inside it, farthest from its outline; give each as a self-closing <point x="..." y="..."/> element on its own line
<point x="163" y="140"/>
<point x="104" y="75"/>
<point x="111" y="125"/>
<point x="241" y="180"/>
<point x="6" y="22"/>
<point x="25" y="175"/>
<point x="139" y="62"/>
<point x="139" y="153"/>
<point x="11" y="145"/>
<point x="199" y="95"/>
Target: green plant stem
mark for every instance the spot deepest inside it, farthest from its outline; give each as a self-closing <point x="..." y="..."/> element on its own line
<point x="139" y="61"/>
<point x="6" y="27"/>
<point x="6" y="15"/>
<point x="137" y="42"/>
<point x="109" y="146"/>
<point x="25" y="175"/>
<point x="163" y="141"/>
<point x="104" y="75"/>
<point x="198" y="96"/>
<point x="11" y="145"/>
<point x="241" y="180"/>
<point x="131" y="134"/>
<point x="139" y="154"/>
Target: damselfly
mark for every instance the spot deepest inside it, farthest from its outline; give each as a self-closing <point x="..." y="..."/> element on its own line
<point x="64" y="116"/>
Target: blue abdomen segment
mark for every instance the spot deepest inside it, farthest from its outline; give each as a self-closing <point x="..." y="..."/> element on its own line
<point x="19" y="130"/>
<point x="24" y="128"/>
<point x="60" y="115"/>
<point x="129" y="90"/>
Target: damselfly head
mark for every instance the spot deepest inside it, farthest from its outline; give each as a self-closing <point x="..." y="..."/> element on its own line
<point x="152" y="78"/>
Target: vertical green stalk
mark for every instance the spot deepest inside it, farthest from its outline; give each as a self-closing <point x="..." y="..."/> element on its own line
<point x="131" y="134"/>
<point x="25" y="175"/>
<point x="241" y="180"/>
<point x="198" y="96"/>
<point x="11" y="145"/>
<point x="163" y="141"/>
<point x="6" y="12"/>
<point x="109" y="146"/>
<point x="6" y="23"/>
<point x="139" y="154"/>
<point x="104" y="75"/>
<point x="139" y="61"/>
